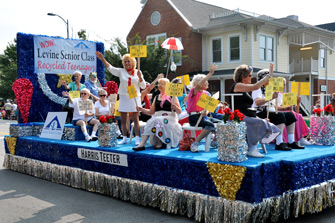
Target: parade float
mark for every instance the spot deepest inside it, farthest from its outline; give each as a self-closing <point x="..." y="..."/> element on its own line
<point x="198" y="185"/>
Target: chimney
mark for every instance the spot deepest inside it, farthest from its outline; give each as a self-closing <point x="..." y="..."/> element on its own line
<point x="294" y="17"/>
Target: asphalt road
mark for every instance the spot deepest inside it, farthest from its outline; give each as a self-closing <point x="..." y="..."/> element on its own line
<point x="26" y="199"/>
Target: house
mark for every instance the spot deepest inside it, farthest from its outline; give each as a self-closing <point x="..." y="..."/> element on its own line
<point x="211" y="34"/>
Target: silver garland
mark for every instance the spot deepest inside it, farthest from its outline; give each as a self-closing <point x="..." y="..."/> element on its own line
<point x="194" y="205"/>
<point x="232" y="141"/>
<point x="107" y="135"/>
<point x="48" y="92"/>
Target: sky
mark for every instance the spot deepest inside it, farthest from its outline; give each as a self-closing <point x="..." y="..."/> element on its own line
<point x="105" y="20"/>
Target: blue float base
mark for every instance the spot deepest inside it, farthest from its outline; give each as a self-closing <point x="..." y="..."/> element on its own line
<point x="273" y="175"/>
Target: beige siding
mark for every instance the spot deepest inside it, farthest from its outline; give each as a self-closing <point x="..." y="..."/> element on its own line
<point x="331" y="65"/>
<point x="283" y="55"/>
<point x="245" y="49"/>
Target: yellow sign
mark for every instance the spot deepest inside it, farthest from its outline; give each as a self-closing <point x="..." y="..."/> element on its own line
<point x="138" y="51"/>
<point x="85" y="105"/>
<point x="172" y="89"/>
<point x="185" y="79"/>
<point x="74" y="94"/>
<point x="268" y="92"/>
<point x="304" y="88"/>
<point x="132" y="91"/>
<point x="277" y="83"/>
<point x="289" y="99"/>
<point x="208" y="103"/>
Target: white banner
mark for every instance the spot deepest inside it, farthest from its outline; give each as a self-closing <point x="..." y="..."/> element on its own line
<point x="103" y="157"/>
<point x="63" y="56"/>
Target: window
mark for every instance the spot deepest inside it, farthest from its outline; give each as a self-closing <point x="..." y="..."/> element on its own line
<point x="266" y="48"/>
<point x="152" y="41"/>
<point x="322" y="58"/>
<point x="216" y="50"/>
<point x="234" y="45"/>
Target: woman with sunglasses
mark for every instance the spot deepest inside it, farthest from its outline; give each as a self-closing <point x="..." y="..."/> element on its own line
<point x="257" y="128"/>
<point x="128" y="76"/>
<point x="81" y="117"/>
<point x="102" y="106"/>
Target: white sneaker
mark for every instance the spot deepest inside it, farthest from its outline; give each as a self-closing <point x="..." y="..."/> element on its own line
<point x="137" y="141"/>
<point x="255" y="154"/>
<point x="123" y="141"/>
<point x="88" y="138"/>
<point x="304" y="142"/>
<point x="194" y="147"/>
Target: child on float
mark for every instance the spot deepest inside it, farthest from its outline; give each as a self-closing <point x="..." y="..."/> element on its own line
<point x="80" y="117"/>
<point x="199" y="85"/>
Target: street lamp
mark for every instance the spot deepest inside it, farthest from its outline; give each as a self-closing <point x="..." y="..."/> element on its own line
<point x="66" y="22"/>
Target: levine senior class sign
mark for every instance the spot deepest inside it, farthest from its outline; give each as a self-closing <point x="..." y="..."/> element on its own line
<point x="63" y="56"/>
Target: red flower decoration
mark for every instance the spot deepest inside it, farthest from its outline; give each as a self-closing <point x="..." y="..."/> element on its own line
<point x="23" y="90"/>
<point x="112" y="87"/>
<point x="235" y="116"/>
<point x="328" y="109"/>
<point x="317" y="111"/>
<point x="102" y="119"/>
<point x="231" y="117"/>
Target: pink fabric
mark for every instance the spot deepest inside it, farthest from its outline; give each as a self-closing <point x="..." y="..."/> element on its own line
<point x="164" y="98"/>
<point x="301" y="128"/>
<point x="192" y="101"/>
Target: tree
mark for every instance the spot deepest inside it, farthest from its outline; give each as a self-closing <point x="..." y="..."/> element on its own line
<point x="8" y="71"/>
<point x="82" y="34"/>
<point x="151" y="66"/>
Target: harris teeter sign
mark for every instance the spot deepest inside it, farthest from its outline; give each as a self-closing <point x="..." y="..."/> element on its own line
<point x="63" y="56"/>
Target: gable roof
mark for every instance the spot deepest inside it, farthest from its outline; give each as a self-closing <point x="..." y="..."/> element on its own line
<point x="328" y="26"/>
<point x="197" y="13"/>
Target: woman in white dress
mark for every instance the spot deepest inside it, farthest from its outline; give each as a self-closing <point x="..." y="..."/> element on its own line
<point x="128" y="76"/>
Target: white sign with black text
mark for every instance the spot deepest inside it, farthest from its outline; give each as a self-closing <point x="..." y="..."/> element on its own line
<point x="54" y="125"/>
<point x="103" y="156"/>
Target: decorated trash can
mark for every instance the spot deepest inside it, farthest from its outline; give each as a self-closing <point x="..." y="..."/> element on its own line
<point x="107" y="136"/>
<point x="323" y="130"/>
<point x="231" y="136"/>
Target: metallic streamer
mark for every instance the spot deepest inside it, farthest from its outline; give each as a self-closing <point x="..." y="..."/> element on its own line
<point x="198" y="206"/>
<point x="232" y="141"/>
<point x="48" y="92"/>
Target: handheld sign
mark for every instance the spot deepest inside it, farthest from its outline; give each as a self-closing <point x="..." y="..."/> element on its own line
<point x="268" y="92"/>
<point x="277" y="83"/>
<point x="132" y="91"/>
<point x="138" y="51"/>
<point x="172" y="89"/>
<point x="85" y="105"/>
<point x="207" y="103"/>
<point x="304" y="88"/>
<point x="74" y="94"/>
<point x="185" y="79"/>
<point x="289" y="99"/>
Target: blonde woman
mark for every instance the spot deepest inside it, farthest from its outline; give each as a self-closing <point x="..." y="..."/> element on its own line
<point x="128" y="76"/>
<point x="164" y="125"/>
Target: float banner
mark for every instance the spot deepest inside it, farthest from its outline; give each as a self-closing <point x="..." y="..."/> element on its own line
<point x="63" y="56"/>
<point x="103" y="157"/>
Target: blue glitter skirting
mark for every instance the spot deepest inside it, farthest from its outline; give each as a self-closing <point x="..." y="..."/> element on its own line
<point x="277" y="173"/>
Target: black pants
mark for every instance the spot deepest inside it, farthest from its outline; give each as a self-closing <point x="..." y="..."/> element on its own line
<point x="281" y="117"/>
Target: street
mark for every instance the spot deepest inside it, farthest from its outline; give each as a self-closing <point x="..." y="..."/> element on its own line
<point x="25" y="198"/>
